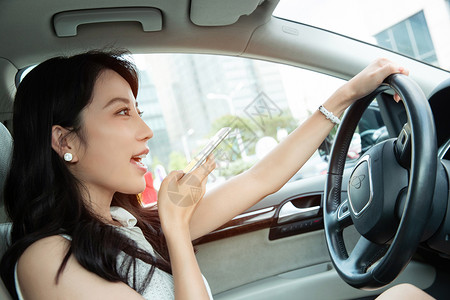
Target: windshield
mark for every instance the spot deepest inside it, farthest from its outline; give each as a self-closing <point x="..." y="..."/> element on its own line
<point x="417" y="28"/>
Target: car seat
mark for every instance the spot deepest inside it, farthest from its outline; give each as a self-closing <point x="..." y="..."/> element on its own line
<point x="5" y="227"/>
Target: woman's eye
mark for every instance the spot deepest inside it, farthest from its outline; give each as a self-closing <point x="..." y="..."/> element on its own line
<point x="124" y="112"/>
<point x="140" y="113"/>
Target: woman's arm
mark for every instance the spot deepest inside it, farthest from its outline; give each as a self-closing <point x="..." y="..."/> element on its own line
<point x="186" y="273"/>
<point x="177" y="200"/>
<point x="275" y="169"/>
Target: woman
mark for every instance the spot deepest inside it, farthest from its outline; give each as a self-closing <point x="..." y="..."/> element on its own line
<point x="79" y="230"/>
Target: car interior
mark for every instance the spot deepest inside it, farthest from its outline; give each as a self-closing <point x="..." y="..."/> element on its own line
<point x="311" y="239"/>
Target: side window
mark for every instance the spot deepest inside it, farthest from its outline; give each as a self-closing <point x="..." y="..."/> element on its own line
<point x="371" y="128"/>
<point x="187" y="98"/>
<point x="369" y="132"/>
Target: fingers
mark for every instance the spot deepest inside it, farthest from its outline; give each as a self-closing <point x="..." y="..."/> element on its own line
<point x="382" y="68"/>
<point x="199" y="174"/>
<point x="404" y="71"/>
<point x="209" y="165"/>
<point x="186" y="190"/>
<point x="388" y="67"/>
<point x="203" y="170"/>
<point x="167" y="181"/>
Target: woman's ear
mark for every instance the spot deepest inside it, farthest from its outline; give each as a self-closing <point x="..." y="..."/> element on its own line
<point x="63" y="144"/>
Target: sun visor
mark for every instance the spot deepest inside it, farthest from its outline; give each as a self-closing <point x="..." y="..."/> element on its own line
<point x="66" y="23"/>
<point x="220" y="12"/>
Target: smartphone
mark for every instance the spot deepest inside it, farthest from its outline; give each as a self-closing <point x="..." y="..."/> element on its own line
<point x="207" y="150"/>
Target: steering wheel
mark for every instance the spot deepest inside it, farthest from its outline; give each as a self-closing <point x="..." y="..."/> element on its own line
<point x="389" y="193"/>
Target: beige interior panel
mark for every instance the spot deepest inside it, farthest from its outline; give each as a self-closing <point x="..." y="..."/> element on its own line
<point x="245" y="258"/>
<point x="321" y="285"/>
<point x="249" y="266"/>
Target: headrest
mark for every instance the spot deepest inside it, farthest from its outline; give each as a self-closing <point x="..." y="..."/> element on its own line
<point x="5" y="157"/>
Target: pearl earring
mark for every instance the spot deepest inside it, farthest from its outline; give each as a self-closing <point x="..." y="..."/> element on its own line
<point x="68" y="156"/>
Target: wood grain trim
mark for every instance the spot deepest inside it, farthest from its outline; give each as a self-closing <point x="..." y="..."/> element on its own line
<point x="246" y="222"/>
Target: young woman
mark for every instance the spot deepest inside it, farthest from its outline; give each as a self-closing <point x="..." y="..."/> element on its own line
<point x="79" y="231"/>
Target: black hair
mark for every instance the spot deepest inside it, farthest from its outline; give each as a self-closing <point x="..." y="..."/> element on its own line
<point x="43" y="198"/>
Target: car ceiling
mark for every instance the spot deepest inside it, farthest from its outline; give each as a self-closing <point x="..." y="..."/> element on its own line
<point x="231" y="27"/>
<point x="33" y="21"/>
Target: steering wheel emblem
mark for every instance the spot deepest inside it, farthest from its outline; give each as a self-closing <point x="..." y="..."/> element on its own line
<point x="356" y="181"/>
<point x="360" y="190"/>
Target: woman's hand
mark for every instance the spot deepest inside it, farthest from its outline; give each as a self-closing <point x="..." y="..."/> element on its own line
<point x="178" y="198"/>
<point x="180" y="194"/>
<point x="369" y="79"/>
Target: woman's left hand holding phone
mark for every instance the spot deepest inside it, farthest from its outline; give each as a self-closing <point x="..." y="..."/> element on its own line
<point x="180" y="193"/>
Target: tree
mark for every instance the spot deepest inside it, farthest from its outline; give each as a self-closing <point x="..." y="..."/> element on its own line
<point x="236" y="167"/>
<point x="251" y="130"/>
<point x="270" y="125"/>
<point x="247" y="130"/>
<point x="177" y="161"/>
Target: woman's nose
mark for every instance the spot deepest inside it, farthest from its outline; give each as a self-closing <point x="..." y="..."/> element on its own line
<point x="145" y="133"/>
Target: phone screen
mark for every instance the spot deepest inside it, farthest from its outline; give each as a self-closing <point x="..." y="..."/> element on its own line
<point x="207" y="150"/>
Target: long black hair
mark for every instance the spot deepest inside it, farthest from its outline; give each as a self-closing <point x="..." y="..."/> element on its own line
<point x="43" y="198"/>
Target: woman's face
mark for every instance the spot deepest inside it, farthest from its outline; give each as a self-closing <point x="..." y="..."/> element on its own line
<point x="115" y="140"/>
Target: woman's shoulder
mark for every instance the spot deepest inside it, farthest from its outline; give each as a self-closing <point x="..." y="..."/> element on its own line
<point x="38" y="267"/>
<point x="39" y="264"/>
<point x="45" y="251"/>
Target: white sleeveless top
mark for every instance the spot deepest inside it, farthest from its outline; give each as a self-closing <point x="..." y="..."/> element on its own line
<point x="161" y="285"/>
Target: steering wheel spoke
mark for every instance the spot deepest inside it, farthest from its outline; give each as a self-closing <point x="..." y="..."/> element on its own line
<point x="365" y="254"/>
<point x="403" y="147"/>
<point x="343" y="216"/>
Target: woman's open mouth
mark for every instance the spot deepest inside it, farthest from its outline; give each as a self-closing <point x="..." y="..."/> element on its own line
<point x="137" y="160"/>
